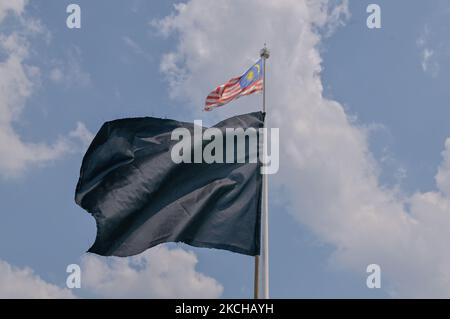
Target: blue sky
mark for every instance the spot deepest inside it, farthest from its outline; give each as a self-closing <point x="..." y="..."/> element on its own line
<point x="391" y="85"/>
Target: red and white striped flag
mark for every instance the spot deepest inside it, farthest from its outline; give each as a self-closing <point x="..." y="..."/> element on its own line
<point x="250" y="82"/>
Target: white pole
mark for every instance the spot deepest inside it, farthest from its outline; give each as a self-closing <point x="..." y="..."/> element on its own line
<point x="265" y="202"/>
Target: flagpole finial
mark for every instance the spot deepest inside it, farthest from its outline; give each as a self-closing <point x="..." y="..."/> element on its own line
<point x="265" y="53"/>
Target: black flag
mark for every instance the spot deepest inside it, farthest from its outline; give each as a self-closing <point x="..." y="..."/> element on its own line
<point x="140" y="197"/>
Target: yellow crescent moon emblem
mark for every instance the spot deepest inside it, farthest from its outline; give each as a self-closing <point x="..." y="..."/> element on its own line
<point x="258" y="67"/>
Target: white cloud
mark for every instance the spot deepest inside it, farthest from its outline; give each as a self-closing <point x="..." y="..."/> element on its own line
<point x="56" y="75"/>
<point x="136" y="49"/>
<point x="17" y="83"/>
<point x="23" y="283"/>
<point x="443" y="176"/>
<point x="70" y="72"/>
<point x="429" y="62"/>
<point x="326" y="162"/>
<point x="427" y="55"/>
<point x="133" y="45"/>
<point x="8" y="6"/>
<point x="82" y="134"/>
<point x="157" y="273"/>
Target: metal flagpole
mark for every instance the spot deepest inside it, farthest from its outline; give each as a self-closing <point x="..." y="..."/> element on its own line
<point x="256" y="279"/>
<point x="265" y="202"/>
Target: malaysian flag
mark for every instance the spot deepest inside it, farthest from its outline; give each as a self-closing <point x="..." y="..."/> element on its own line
<point x="250" y="82"/>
